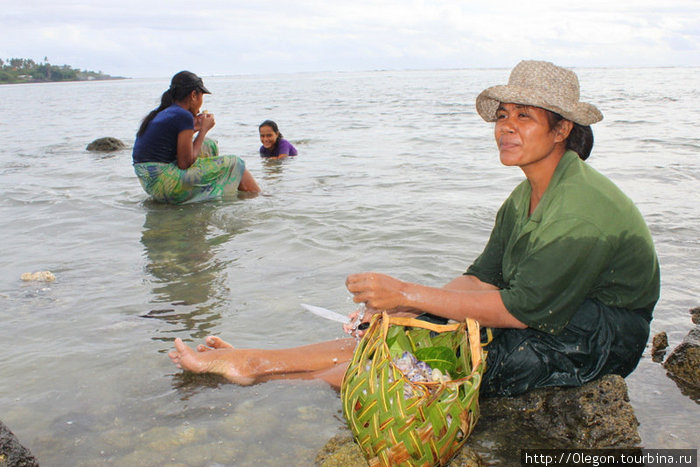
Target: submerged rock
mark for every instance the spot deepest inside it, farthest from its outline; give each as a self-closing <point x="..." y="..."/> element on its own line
<point x="595" y="415"/>
<point x="342" y="451"/>
<point x="12" y="453"/>
<point x="106" y="144"/>
<point x="41" y="276"/>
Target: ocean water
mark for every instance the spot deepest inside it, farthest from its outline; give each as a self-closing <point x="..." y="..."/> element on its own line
<point x="396" y="173"/>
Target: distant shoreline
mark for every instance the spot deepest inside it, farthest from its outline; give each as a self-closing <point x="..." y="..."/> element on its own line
<point x="35" y="81"/>
<point x="26" y="70"/>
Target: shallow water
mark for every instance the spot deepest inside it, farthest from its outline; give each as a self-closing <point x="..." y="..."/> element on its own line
<point x="396" y="174"/>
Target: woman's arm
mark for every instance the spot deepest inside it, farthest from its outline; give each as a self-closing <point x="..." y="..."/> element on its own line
<point x="464" y="297"/>
<point x="284" y="148"/>
<point x="187" y="149"/>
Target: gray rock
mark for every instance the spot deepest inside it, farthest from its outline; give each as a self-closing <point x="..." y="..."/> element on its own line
<point x="106" y="144"/>
<point x="12" y="453"/>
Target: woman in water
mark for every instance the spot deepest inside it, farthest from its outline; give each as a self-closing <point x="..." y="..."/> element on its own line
<point x="568" y="279"/>
<point x="274" y="146"/>
<point x="172" y="157"/>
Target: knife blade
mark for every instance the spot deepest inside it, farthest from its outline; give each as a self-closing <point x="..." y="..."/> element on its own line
<point x="326" y="313"/>
<point x="334" y="316"/>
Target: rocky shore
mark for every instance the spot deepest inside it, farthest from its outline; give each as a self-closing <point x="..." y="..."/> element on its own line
<point x="596" y="415"/>
<point x="683" y="364"/>
<point x="12" y="453"/>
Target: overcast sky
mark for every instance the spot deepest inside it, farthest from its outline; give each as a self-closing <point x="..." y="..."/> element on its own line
<point x="142" y="38"/>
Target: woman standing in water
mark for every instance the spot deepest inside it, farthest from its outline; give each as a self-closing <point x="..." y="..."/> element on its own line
<point x="172" y="157"/>
<point x="568" y="279"/>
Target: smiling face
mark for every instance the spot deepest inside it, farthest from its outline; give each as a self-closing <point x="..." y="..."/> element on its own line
<point x="525" y="138"/>
<point x="268" y="137"/>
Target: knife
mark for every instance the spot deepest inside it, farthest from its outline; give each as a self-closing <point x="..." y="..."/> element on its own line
<point x="332" y="315"/>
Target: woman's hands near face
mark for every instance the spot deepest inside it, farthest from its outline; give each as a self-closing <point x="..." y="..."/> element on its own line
<point x="204" y="122"/>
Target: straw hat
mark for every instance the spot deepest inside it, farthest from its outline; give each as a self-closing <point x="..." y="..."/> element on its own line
<point x="540" y="84"/>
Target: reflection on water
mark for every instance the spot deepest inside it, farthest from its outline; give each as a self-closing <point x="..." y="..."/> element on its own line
<point x="273" y="169"/>
<point x="187" y="276"/>
<point x="396" y="173"/>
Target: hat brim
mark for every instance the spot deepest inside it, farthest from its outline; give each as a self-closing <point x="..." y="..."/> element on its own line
<point x="488" y="101"/>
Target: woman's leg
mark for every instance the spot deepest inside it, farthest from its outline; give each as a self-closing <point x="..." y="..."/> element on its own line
<point x="323" y="360"/>
<point x="598" y="340"/>
<point x="248" y="183"/>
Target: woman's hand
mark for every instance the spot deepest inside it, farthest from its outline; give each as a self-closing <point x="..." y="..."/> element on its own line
<point x="204" y="122"/>
<point x="377" y="291"/>
<point x="369" y="312"/>
<point x="352" y="327"/>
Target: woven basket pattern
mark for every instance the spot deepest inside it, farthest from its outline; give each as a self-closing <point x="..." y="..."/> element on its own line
<point x="428" y="428"/>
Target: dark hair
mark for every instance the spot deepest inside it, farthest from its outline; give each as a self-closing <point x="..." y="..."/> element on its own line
<point x="272" y="125"/>
<point x="181" y="85"/>
<point x="580" y="139"/>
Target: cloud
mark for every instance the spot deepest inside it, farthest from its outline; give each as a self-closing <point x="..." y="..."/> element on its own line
<point x="137" y="38"/>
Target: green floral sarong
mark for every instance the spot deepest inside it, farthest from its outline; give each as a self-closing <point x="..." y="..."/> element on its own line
<point x="210" y="177"/>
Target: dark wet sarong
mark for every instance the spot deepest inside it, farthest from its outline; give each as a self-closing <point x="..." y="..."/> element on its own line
<point x="598" y="340"/>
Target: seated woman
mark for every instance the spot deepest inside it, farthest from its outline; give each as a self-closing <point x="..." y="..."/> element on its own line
<point x="274" y="146"/>
<point x="568" y="279"/>
<point x="172" y="163"/>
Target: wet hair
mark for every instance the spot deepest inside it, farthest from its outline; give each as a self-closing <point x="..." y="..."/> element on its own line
<point x="181" y="85"/>
<point x="580" y="139"/>
<point x="272" y="125"/>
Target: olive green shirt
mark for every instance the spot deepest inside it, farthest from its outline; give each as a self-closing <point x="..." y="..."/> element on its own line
<point x="585" y="240"/>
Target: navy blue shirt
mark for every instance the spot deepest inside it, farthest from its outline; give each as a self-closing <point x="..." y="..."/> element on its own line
<point x="159" y="142"/>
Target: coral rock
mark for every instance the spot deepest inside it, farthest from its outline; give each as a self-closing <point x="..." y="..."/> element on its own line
<point x="106" y="144"/>
<point x="42" y="276"/>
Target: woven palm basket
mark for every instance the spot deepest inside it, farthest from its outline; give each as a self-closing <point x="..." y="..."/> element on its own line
<point x="427" y="423"/>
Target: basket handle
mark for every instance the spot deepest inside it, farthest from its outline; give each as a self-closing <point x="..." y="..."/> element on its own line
<point x="474" y="342"/>
<point x="472" y="331"/>
<point x="419" y="323"/>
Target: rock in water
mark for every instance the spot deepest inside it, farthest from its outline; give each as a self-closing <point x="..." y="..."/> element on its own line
<point x="684" y="363"/>
<point x="106" y="144"/>
<point x="42" y="276"/>
<point x="659" y="343"/>
<point x="342" y="451"/>
<point x="695" y="315"/>
<point x="12" y="453"/>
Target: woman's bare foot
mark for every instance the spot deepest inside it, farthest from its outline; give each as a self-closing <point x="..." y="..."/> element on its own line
<point x="221" y="358"/>
<point x="213" y="342"/>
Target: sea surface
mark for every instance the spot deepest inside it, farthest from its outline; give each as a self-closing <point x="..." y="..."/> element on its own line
<point x="396" y="173"/>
